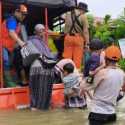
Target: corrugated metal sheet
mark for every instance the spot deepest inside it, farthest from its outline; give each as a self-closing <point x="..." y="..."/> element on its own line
<point x="45" y="3"/>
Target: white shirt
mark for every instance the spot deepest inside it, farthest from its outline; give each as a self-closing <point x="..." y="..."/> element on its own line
<point x="106" y="93"/>
<point x="109" y="82"/>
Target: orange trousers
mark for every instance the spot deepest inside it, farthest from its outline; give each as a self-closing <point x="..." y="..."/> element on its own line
<point x="73" y="48"/>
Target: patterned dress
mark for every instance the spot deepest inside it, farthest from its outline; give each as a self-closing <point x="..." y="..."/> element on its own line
<point x="41" y="78"/>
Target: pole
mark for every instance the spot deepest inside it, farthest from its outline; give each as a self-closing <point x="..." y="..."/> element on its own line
<point x="0" y="18"/>
<point x="124" y="12"/>
<point x="46" y="25"/>
<point x="1" y="49"/>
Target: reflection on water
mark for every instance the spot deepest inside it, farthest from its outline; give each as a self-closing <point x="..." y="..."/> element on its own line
<point x="53" y="117"/>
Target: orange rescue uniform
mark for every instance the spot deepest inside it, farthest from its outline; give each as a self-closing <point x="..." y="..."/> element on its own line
<point x="73" y="48"/>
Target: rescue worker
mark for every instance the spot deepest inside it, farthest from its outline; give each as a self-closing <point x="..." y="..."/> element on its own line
<point x="77" y="34"/>
<point x="107" y="84"/>
<point x="11" y="28"/>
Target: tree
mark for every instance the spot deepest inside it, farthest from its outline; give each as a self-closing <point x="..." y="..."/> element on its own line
<point x="91" y="25"/>
<point x="103" y="31"/>
<point x="107" y="19"/>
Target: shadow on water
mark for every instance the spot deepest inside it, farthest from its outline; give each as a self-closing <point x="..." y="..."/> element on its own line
<point x="54" y="117"/>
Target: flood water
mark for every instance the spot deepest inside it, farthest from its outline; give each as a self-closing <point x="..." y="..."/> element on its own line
<point x="54" y="117"/>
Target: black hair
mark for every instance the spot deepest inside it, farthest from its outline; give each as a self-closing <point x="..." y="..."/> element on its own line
<point x="17" y="7"/>
<point x="108" y="61"/>
<point x="69" y="67"/>
<point x="96" y="44"/>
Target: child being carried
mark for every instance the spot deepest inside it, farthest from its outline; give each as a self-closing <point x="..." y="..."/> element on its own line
<point x="96" y="60"/>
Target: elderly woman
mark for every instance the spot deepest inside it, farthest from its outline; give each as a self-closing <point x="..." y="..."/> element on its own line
<point x="41" y="76"/>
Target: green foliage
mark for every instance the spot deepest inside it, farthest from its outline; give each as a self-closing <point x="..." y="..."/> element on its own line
<point x="108" y="29"/>
<point x="121" y="63"/>
<point x="92" y="29"/>
<point x="107" y="18"/>
<point x="120" y="28"/>
<point x="103" y="32"/>
<point x="90" y="19"/>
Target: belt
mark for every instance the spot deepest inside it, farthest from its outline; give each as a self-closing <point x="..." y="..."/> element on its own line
<point x="72" y="34"/>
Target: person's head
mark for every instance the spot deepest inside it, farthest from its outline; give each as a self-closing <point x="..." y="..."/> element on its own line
<point x="39" y="30"/>
<point x="70" y="3"/>
<point x="21" y="12"/>
<point x="96" y="45"/>
<point x="112" y="54"/>
<point x="83" y="7"/>
<point x="68" y="68"/>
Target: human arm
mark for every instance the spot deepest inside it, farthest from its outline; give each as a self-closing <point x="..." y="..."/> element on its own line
<point x="102" y="62"/>
<point x="15" y="37"/>
<point x="99" y="68"/>
<point x="11" y="26"/>
<point x="85" y="29"/>
<point x="98" y="78"/>
<point x="123" y="86"/>
<point x="63" y="16"/>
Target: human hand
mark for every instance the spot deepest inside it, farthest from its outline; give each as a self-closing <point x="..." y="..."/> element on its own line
<point x="86" y="47"/>
<point x="92" y="73"/>
<point x="82" y="92"/>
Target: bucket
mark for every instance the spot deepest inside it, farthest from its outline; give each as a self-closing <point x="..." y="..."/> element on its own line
<point x="57" y="99"/>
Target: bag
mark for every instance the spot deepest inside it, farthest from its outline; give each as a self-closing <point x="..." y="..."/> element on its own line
<point x="47" y="63"/>
<point x="29" y="53"/>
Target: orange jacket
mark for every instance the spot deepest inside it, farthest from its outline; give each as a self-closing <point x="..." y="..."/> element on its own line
<point x="7" y="41"/>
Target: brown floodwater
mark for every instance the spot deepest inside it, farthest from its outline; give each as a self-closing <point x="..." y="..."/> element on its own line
<point x="54" y="117"/>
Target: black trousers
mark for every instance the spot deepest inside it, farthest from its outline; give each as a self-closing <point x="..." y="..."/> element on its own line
<point x="101" y="119"/>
